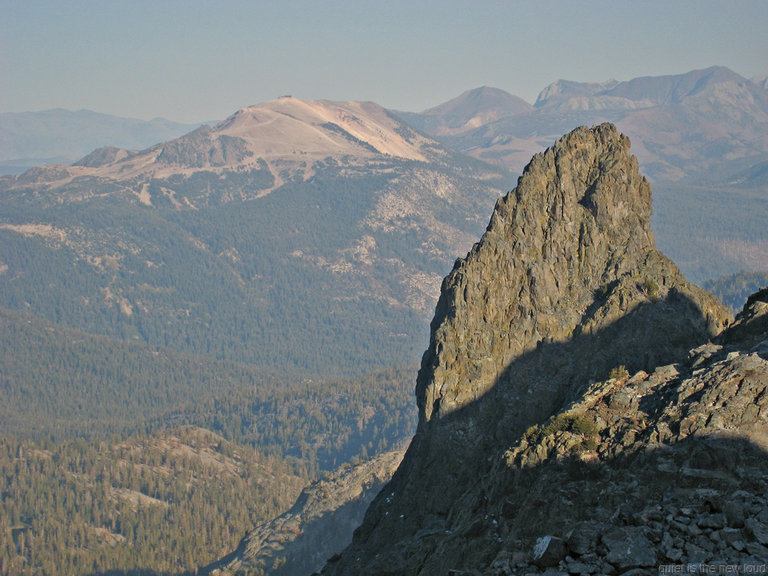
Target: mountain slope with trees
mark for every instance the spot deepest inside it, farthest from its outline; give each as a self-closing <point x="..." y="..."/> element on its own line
<point x="158" y="504"/>
<point x="319" y="249"/>
<point x="117" y="457"/>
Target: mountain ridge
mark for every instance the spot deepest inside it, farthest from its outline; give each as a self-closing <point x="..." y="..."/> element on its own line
<point x="643" y="92"/>
<point x="29" y="139"/>
<point x="700" y="138"/>
<point x="261" y="137"/>
<point x="707" y="96"/>
<point x="469" y="110"/>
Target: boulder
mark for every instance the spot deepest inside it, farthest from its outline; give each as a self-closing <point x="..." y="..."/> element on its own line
<point x="628" y="547"/>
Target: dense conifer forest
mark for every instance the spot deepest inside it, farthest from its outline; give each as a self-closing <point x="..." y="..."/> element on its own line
<point x="263" y="281"/>
<point x="163" y="503"/>
<point x="117" y="456"/>
<point x="733" y="290"/>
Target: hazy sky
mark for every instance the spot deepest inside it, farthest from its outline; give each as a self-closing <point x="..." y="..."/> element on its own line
<point x="199" y="60"/>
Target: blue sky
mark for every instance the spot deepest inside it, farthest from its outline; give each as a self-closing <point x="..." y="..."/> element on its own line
<point x="202" y="60"/>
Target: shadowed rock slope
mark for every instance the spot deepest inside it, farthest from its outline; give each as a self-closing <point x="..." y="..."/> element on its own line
<point x="564" y="289"/>
<point x="666" y="468"/>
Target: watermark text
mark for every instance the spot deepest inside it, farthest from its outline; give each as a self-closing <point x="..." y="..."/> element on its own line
<point x="714" y="569"/>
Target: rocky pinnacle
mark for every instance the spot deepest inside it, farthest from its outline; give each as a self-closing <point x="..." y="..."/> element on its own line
<point x="564" y="288"/>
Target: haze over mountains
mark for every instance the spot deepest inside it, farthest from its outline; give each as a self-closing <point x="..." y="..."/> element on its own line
<point x="679" y="124"/>
<point x="30" y="139"/>
<point x="706" y="106"/>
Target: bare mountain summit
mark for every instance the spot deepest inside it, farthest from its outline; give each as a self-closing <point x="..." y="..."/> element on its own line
<point x="281" y="140"/>
<point x="565" y="288"/>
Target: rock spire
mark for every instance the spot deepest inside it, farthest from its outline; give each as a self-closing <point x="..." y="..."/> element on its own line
<point x="565" y="288"/>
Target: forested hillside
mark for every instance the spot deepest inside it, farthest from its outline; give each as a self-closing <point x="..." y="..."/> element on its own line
<point x="58" y="384"/>
<point x="734" y="290"/>
<point x="162" y="503"/>
<point x="235" y="282"/>
<point x="712" y="232"/>
<point x="117" y="455"/>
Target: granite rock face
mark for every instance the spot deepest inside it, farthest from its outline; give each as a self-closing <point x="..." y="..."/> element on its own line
<point x="565" y="288"/>
<point x="567" y="255"/>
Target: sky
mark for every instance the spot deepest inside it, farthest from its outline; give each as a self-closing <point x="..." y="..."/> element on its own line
<point x="196" y="60"/>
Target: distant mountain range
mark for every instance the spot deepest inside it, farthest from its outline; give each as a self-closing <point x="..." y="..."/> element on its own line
<point x="710" y="120"/>
<point x="701" y="138"/>
<point x="30" y="139"/>
<point x="714" y="113"/>
<point x="472" y="109"/>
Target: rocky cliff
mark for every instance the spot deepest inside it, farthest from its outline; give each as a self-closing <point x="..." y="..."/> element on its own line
<point x="318" y="525"/>
<point x="565" y="289"/>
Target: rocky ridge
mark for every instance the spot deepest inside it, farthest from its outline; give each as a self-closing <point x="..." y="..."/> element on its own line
<point x="572" y="255"/>
<point x="647" y="470"/>
<point x="565" y="287"/>
<point x="317" y="526"/>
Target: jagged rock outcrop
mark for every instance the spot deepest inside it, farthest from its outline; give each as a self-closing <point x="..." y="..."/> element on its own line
<point x="666" y="468"/>
<point x="318" y="525"/>
<point x="567" y="255"/>
<point x="565" y="287"/>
